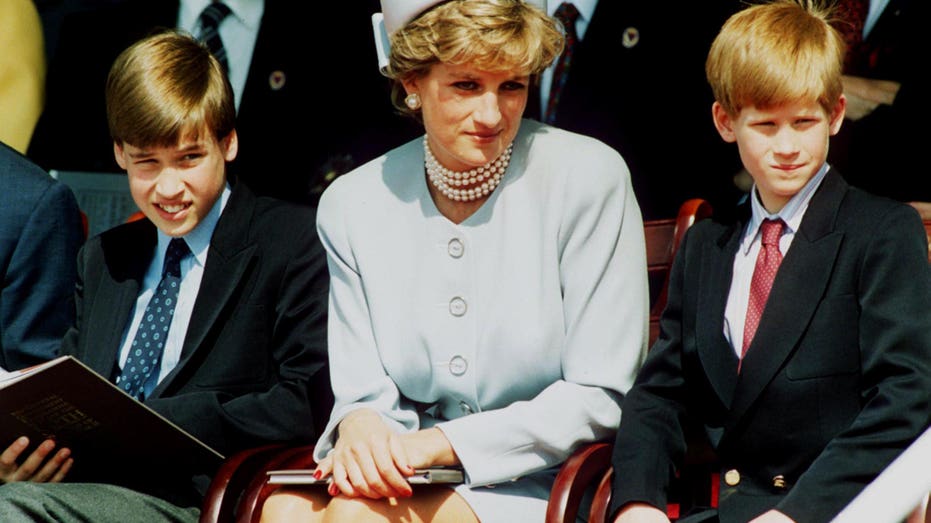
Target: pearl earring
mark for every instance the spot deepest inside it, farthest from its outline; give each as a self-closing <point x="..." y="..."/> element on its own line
<point x="412" y="101"/>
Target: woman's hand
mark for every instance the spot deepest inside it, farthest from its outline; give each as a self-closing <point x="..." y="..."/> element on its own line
<point x="369" y="459"/>
<point x="429" y="448"/>
<point x="38" y="467"/>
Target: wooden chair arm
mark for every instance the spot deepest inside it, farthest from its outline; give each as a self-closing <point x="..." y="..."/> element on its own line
<point x="578" y="472"/>
<point x="249" y="509"/>
<point x="236" y="471"/>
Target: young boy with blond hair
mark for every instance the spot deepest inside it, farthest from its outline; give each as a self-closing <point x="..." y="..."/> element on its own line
<point x="239" y="359"/>
<point x="797" y="335"/>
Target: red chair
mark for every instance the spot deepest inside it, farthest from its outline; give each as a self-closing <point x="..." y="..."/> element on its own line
<point x="928" y="232"/>
<point x="239" y="488"/>
<point x="662" y="241"/>
<point x="84" y="225"/>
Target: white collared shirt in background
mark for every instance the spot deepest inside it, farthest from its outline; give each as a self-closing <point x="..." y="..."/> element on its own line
<point x="586" y="10"/>
<point x="238" y="31"/>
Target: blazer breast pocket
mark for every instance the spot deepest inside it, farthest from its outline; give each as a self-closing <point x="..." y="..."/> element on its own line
<point x="830" y="345"/>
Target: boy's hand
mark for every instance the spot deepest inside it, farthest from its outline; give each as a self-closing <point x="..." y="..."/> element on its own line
<point x="39" y="466"/>
<point x="641" y="513"/>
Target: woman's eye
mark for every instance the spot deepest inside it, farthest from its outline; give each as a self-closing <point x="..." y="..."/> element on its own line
<point x="513" y="86"/>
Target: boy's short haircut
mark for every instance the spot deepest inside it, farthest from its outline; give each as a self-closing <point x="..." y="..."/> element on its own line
<point x="777" y="53"/>
<point x="166" y="87"/>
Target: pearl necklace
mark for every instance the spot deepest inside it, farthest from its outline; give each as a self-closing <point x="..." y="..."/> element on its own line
<point x="450" y="182"/>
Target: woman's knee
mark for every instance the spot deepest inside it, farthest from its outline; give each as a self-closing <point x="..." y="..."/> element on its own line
<point x="295" y="505"/>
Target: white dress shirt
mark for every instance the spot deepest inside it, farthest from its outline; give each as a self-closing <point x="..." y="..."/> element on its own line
<point x="586" y="10"/>
<point x="238" y="31"/>
<point x="745" y="261"/>
<point x="192" y="270"/>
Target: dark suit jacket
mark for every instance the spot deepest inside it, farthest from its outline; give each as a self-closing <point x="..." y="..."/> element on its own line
<point x="835" y="384"/>
<point x="890" y="140"/>
<point x="332" y="112"/>
<point x="657" y="113"/>
<point x="40" y="234"/>
<point x="252" y="368"/>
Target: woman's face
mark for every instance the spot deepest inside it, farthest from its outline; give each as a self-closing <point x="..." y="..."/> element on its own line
<point x="470" y="115"/>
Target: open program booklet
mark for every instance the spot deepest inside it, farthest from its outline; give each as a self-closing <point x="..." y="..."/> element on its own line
<point x="110" y="434"/>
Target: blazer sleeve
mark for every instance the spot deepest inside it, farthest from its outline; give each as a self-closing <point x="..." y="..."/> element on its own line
<point x="36" y="301"/>
<point x="650" y="439"/>
<point x="895" y="368"/>
<point x="602" y="267"/>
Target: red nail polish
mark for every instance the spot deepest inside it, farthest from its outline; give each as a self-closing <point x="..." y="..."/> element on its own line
<point x="317" y="474"/>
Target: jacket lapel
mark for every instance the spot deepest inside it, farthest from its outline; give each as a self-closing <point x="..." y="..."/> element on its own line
<point x="231" y="254"/>
<point x="126" y="259"/>
<point x="796" y="293"/>
<point x="717" y="357"/>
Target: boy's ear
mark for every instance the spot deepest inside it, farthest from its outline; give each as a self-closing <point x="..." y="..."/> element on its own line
<point x="230" y="146"/>
<point x="837" y="115"/>
<point x="118" y="154"/>
<point x="723" y="123"/>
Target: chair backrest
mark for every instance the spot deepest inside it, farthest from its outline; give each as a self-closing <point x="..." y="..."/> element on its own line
<point x="662" y="240"/>
<point x="85" y="226"/>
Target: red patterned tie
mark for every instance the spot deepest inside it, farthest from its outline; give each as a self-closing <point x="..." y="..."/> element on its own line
<point x="767" y="263"/>
<point x="851" y="16"/>
<point x="567" y="14"/>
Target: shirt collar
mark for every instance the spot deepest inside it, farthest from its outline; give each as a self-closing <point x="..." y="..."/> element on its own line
<point x="249" y="12"/>
<point x="198" y="240"/>
<point x="791" y="213"/>
<point x="586" y="10"/>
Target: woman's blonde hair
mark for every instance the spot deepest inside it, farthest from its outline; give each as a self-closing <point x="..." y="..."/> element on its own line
<point x="492" y="35"/>
<point x="777" y="53"/>
<point x="166" y="87"/>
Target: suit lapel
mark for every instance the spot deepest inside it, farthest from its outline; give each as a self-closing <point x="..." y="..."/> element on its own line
<point x="231" y="254"/>
<point x="717" y="357"/>
<point x="126" y="258"/>
<point x="796" y="293"/>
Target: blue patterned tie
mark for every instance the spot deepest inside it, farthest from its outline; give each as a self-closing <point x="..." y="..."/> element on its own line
<point x="567" y="14"/>
<point x="210" y="19"/>
<point x="145" y="354"/>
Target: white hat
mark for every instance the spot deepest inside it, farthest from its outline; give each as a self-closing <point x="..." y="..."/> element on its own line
<point x="396" y="14"/>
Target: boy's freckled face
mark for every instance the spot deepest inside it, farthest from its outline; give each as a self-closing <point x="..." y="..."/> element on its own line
<point x="781" y="147"/>
<point x="175" y="187"/>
